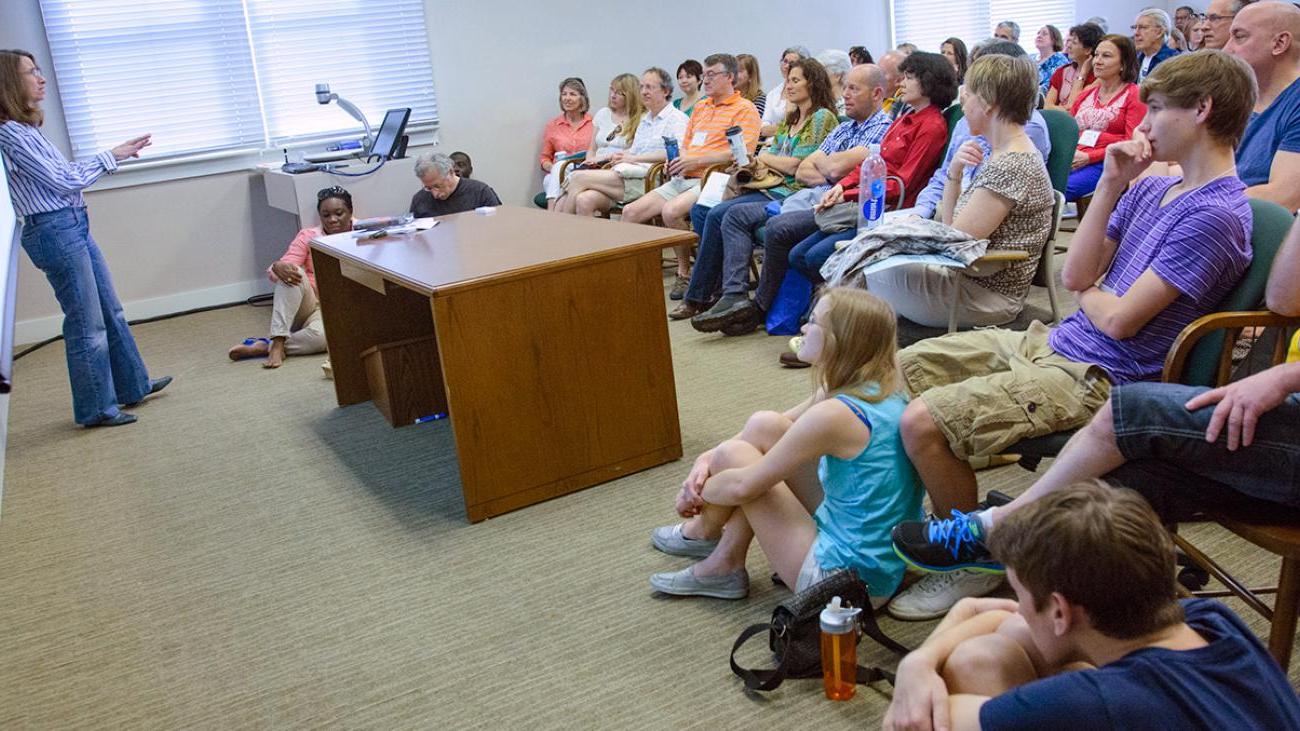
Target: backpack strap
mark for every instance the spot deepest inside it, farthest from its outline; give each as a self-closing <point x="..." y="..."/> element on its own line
<point x="869" y="627"/>
<point x="757" y="679"/>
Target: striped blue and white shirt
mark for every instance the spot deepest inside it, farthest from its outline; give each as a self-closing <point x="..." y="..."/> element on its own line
<point x="1198" y="243"/>
<point x="40" y="178"/>
<point x="852" y="134"/>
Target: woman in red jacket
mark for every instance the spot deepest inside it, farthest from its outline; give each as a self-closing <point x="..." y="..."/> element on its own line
<point x="1108" y="112"/>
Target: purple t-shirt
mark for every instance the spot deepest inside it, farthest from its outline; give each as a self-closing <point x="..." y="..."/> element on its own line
<point x="1199" y="244"/>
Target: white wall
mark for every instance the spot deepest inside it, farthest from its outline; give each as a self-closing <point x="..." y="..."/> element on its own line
<point x="206" y="240"/>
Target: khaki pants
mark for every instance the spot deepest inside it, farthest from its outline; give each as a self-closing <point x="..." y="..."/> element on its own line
<point x="988" y="389"/>
<point x="295" y="316"/>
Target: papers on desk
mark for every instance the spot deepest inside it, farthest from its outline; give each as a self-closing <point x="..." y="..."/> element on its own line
<point x="424" y="224"/>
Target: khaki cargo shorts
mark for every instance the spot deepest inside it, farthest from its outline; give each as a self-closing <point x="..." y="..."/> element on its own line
<point x="988" y="389"/>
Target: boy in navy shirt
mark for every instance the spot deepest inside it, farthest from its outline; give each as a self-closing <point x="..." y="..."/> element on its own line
<point x="1096" y="639"/>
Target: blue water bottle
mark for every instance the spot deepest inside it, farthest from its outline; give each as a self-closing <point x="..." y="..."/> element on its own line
<point x="670" y="150"/>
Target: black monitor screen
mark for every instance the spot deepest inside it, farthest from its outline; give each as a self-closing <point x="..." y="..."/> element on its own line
<point x="390" y="133"/>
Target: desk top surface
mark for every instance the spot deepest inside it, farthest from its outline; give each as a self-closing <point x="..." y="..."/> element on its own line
<point x="469" y="248"/>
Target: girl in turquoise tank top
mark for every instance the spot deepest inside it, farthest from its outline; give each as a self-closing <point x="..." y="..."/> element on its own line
<point x="820" y="485"/>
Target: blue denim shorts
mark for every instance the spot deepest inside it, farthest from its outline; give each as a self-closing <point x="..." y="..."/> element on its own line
<point x="1178" y="472"/>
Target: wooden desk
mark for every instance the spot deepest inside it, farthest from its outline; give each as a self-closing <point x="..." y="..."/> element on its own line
<point x="551" y="336"/>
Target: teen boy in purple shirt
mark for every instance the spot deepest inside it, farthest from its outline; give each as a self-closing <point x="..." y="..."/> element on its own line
<point x="1172" y="249"/>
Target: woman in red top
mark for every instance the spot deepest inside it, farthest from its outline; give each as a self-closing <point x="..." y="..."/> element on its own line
<point x="1071" y="80"/>
<point x="912" y="149"/>
<point x="1108" y="112"/>
<point x="915" y="142"/>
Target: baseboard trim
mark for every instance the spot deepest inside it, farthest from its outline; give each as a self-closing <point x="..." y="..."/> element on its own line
<point x="37" y="329"/>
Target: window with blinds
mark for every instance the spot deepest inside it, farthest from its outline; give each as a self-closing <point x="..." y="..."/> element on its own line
<point x="927" y="23"/>
<point x="214" y="76"/>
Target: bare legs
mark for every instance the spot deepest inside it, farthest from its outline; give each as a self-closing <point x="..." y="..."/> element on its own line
<point x="780" y="515"/>
<point x="588" y="192"/>
<point x="676" y="213"/>
<point x="949" y="481"/>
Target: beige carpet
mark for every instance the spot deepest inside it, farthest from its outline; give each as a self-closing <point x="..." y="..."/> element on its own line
<point x="249" y="555"/>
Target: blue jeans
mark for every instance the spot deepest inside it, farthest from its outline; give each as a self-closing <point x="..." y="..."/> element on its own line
<point x="706" y="277"/>
<point x="1177" y="471"/>
<point x="1082" y="181"/>
<point x="104" y="365"/>
<point x="808" y="255"/>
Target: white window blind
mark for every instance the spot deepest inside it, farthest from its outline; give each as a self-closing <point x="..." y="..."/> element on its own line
<point x="928" y="22"/>
<point x="374" y="53"/>
<point x="209" y="76"/>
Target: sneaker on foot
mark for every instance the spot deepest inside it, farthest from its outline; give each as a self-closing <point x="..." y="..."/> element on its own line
<point x="678" y="290"/>
<point x="669" y="539"/>
<point x="731" y="308"/>
<point x="935" y="594"/>
<point x="945" y="545"/>
<point x="734" y="585"/>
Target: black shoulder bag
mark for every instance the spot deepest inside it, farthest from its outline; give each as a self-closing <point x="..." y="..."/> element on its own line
<point x="794" y="634"/>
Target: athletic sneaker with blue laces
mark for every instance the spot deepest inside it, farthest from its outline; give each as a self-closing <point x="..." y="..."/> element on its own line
<point x="945" y="545"/>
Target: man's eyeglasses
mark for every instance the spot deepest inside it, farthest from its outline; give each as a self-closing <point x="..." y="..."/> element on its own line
<point x="710" y="75"/>
<point x="1216" y="18"/>
<point x="1141" y="27"/>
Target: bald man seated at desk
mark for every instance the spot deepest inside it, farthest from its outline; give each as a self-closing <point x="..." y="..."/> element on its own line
<point x="444" y="191"/>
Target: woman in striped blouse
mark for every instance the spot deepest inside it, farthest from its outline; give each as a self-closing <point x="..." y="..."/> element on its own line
<point x="104" y="365"/>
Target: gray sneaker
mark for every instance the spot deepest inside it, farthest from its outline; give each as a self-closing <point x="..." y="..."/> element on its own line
<point x="669" y="539"/>
<point x="734" y="585"/>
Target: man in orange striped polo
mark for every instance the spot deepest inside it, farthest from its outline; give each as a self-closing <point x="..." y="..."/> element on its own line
<point x="705" y="144"/>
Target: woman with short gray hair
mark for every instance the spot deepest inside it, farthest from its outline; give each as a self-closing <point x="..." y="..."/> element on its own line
<point x="837" y="63"/>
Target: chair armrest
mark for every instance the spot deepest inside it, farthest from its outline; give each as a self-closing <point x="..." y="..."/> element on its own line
<point x="1233" y="323"/>
<point x="654" y="176"/>
<point x="564" y="168"/>
<point x="994" y="262"/>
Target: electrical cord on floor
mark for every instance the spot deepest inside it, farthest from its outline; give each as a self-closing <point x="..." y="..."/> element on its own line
<point x="257" y="300"/>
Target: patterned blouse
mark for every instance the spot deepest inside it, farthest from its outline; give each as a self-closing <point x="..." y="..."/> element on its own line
<point x="1021" y="178"/>
<point x="802" y="144"/>
<point x="1047" y="67"/>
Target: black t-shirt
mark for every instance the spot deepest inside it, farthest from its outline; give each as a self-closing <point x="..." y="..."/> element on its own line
<point x="469" y="194"/>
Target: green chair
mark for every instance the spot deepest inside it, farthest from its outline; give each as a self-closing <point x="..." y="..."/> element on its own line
<point x="952" y="115"/>
<point x="1063" y="133"/>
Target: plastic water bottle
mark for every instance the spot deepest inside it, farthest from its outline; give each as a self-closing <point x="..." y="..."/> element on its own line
<point x="871" y="189"/>
<point x="839" y="646"/>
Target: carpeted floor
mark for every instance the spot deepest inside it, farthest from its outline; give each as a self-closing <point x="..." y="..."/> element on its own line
<point x="249" y="555"/>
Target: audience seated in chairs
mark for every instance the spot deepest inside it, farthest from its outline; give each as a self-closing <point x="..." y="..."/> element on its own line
<point x="705" y="144"/>
<point x="860" y="55"/>
<point x="912" y="149"/>
<point x="568" y="134"/>
<point x="1267" y="36"/>
<point x="775" y="110"/>
<point x="1172" y="249"/>
<point x="690" y="79"/>
<point x="749" y="82"/>
<point x="1071" y="80"/>
<point x="893" y="104"/>
<point x="616" y="124"/>
<point x="1007" y="30"/>
<point x="445" y="191"/>
<point x="818" y="484"/>
<point x="1218" y="22"/>
<point x="954" y="49"/>
<point x="842" y="151"/>
<point x="588" y="192"/>
<point x="1009" y="201"/>
<point x="1107" y="113"/>
<point x="1097" y="636"/>
<point x="728" y="230"/>
<point x="297" y="327"/>
<point x="1150" y="33"/>
<point x="1196" y="36"/>
<point x="1049" y="43"/>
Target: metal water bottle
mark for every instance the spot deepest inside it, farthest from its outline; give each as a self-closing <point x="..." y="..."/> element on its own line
<point x="736" y="138"/>
<point x="839" y="647"/>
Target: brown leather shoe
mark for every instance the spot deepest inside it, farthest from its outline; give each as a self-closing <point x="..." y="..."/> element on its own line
<point x="791" y="360"/>
<point x="686" y="310"/>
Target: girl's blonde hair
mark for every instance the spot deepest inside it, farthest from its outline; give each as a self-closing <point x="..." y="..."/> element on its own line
<point x="630" y="87"/>
<point x="861" y="345"/>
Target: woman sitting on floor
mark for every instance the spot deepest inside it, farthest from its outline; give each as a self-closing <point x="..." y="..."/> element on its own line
<point x="296" y="324"/>
<point x="820" y="484"/>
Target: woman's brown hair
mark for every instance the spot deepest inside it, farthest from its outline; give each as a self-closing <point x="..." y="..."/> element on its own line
<point x="861" y="346"/>
<point x="755" y="85"/>
<point x="14" y="104"/>
<point x="819" y="90"/>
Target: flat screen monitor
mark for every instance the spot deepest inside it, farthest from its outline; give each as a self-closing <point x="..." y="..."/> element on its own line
<point x="390" y="133"/>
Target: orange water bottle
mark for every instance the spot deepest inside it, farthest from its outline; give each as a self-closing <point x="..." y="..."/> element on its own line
<point x="839" y="650"/>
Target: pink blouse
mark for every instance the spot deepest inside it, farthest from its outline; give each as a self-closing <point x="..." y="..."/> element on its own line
<point x="299" y="254"/>
<point x="560" y="134"/>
